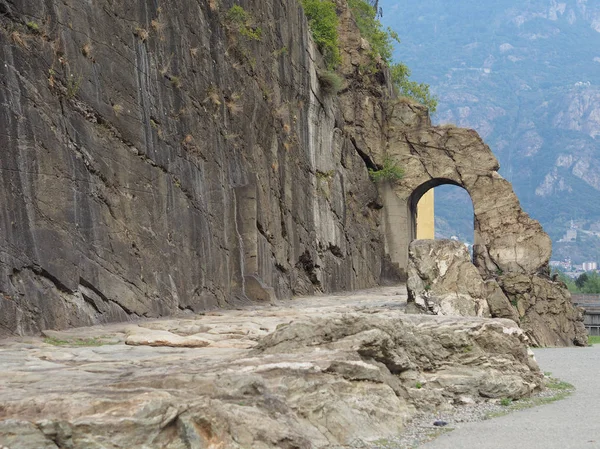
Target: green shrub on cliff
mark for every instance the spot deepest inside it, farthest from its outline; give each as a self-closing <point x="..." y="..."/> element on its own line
<point x="417" y="91"/>
<point x="389" y="172"/>
<point x="330" y="81"/>
<point x="241" y="20"/>
<point x="380" y="39"/>
<point x="382" y="43"/>
<point x="323" y="22"/>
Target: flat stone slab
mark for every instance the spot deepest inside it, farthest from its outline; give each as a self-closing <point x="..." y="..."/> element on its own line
<point x="314" y="372"/>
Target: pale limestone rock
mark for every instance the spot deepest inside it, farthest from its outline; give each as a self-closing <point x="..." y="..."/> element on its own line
<point x="546" y="311"/>
<point x="442" y="280"/>
<point x="329" y="371"/>
<point x="164" y="338"/>
<point x="500" y="306"/>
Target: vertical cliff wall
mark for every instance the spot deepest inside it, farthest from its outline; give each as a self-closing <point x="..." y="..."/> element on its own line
<point x="157" y="159"/>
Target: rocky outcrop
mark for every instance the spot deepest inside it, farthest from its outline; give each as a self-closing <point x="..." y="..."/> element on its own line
<point x="506" y="238"/>
<point x="546" y="311"/>
<point x="161" y="161"/>
<point x="158" y="160"/>
<point x="444" y="281"/>
<point x="328" y="372"/>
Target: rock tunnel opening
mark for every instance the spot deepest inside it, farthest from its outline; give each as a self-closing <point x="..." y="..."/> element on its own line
<point x="446" y="214"/>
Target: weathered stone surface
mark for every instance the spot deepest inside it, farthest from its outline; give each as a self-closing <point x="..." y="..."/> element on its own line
<point x="442" y="280"/>
<point x="500" y="306"/>
<point x="159" y="161"/>
<point x="155" y="160"/>
<point x="326" y="372"/>
<point x="506" y="239"/>
<point x="546" y="311"/>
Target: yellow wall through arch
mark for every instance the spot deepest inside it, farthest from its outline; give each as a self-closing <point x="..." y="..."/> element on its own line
<point x="425" y="216"/>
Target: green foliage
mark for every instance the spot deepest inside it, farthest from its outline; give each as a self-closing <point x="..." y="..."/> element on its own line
<point x="557" y="384"/>
<point x="176" y="81"/>
<point x="33" y="26"/>
<point x="243" y="22"/>
<point x="593" y="339"/>
<point x="323" y="22"/>
<point x="96" y="341"/>
<point x="73" y="84"/>
<point x="587" y="283"/>
<point x="380" y="39"/>
<point x="591" y="284"/>
<point x="389" y="172"/>
<point x="581" y="280"/>
<point x="419" y="385"/>
<point x="330" y="81"/>
<point x="561" y="390"/>
<point x="417" y="91"/>
<point x="237" y="14"/>
<point x="254" y="34"/>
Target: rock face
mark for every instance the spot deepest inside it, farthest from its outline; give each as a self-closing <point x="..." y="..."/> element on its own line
<point x="327" y="373"/>
<point x="443" y="281"/>
<point x="546" y="311"/>
<point x="158" y="160"/>
<point x="506" y="238"/>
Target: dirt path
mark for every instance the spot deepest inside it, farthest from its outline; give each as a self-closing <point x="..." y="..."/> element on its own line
<point x="570" y="423"/>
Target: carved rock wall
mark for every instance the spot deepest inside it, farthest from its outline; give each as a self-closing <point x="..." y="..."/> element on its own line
<point x="158" y="160"/>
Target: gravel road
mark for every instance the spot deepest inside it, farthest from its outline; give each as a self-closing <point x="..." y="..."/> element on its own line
<point x="572" y="423"/>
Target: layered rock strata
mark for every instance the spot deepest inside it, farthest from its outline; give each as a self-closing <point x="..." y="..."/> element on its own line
<point x="160" y="159"/>
<point x="546" y="311"/>
<point x="330" y="372"/>
<point x="444" y="281"/>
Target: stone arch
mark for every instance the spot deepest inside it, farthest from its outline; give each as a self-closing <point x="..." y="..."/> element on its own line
<point x="506" y="238"/>
<point x="416" y="196"/>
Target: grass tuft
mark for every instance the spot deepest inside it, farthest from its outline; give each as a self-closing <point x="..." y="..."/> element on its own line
<point x="563" y="390"/>
<point x="33" y="27"/>
<point x="330" y="81"/>
<point x="593" y="339"/>
<point x="95" y="341"/>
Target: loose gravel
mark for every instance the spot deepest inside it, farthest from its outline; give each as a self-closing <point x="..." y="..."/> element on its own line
<point x="421" y="429"/>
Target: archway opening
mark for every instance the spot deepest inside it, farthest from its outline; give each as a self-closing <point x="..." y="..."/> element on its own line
<point x="442" y="209"/>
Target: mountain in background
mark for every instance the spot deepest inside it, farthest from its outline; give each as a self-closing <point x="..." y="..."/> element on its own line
<point x="526" y="76"/>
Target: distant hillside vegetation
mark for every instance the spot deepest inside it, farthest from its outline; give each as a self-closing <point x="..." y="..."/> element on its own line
<point x="526" y="76"/>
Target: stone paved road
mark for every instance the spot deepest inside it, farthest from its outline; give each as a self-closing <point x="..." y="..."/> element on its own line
<point x="573" y="423"/>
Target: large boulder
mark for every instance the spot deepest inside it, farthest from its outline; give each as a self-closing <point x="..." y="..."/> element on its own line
<point x="546" y="311"/>
<point x="442" y="280"/>
<point x="323" y="379"/>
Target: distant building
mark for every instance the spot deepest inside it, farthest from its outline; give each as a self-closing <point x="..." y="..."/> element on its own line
<point x="590" y="266"/>
<point x="563" y="265"/>
<point x="571" y="235"/>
